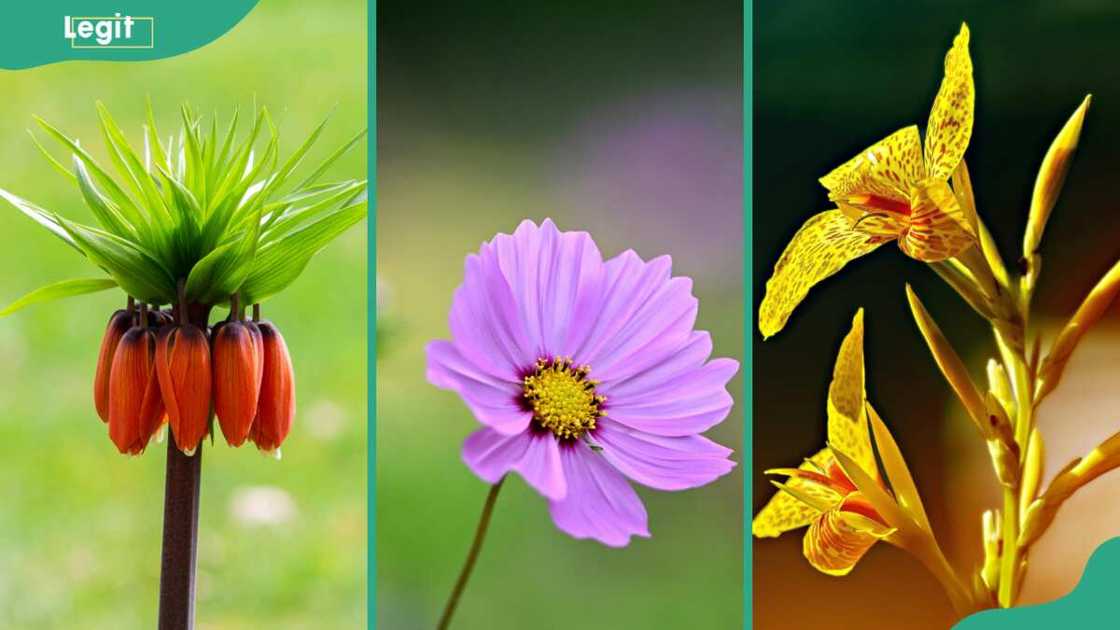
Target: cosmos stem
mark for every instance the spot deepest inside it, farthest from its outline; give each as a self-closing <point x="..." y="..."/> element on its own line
<point x="472" y="556"/>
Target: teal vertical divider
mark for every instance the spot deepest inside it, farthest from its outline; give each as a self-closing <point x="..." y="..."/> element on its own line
<point x="371" y="312"/>
<point x="748" y="274"/>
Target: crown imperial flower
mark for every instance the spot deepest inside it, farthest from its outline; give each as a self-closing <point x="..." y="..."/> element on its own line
<point x="183" y="369"/>
<point x="135" y="406"/>
<point x="238" y="361"/>
<point x="277" y="405"/>
<point x="119" y="323"/>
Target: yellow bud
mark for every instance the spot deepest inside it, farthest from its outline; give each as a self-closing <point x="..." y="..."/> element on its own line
<point x="1032" y="471"/>
<point x="952" y="367"/>
<point x="1048" y="183"/>
<point x="1000" y="386"/>
<point x="1091" y="310"/>
<point x="989" y="573"/>
<point x="1102" y="459"/>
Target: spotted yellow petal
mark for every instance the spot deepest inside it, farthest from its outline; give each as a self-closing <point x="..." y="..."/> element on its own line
<point x="819" y="249"/>
<point x="837" y="539"/>
<point x="847" y="412"/>
<point x="884" y="172"/>
<point x="950" y="120"/>
<point x="785" y="511"/>
<point x="938" y="228"/>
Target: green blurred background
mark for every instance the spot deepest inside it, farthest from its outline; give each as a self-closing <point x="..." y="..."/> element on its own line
<point x="624" y="119"/>
<point x="281" y="544"/>
<point x="830" y="79"/>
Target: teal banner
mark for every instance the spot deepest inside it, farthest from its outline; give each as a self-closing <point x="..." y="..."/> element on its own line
<point x="49" y="31"/>
<point x="1090" y="605"/>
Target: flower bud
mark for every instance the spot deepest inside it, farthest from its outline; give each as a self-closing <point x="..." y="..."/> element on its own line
<point x="135" y="406"/>
<point x="238" y="370"/>
<point x="119" y="324"/>
<point x="277" y="404"/>
<point x="183" y="370"/>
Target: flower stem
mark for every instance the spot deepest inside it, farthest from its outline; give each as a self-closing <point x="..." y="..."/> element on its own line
<point x="180" y="538"/>
<point x="180" y="513"/>
<point x="472" y="556"/>
<point x="1009" y="567"/>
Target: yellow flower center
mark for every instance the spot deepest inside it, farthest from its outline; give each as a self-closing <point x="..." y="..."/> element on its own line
<point x="563" y="399"/>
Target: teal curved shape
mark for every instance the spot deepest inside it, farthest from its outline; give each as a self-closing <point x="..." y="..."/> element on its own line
<point x="1091" y="604"/>
<point x="36" y="31"/>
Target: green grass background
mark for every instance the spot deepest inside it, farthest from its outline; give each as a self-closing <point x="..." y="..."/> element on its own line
<point x="79" y="524"/>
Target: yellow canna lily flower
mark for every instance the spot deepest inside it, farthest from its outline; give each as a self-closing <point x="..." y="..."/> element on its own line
<point x="893" y="191"/>
<point x="843" y="523"/>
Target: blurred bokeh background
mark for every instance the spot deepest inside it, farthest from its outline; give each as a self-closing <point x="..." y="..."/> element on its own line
<point x="830" y="79"/>
<point x="282" y="544"/>
<point x="622" y="119"/>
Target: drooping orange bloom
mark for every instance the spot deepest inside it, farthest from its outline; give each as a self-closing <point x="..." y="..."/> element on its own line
<point x="119" y="323"/>
<point x="277" y="404"/>
<point x="895" y="190"/>
<point x="238" y="363"/>
<point x="135" y="406"/>
<point x="183" y="369"/>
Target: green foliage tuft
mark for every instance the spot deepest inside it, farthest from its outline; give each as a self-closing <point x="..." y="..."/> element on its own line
<point x="219" y="213"/>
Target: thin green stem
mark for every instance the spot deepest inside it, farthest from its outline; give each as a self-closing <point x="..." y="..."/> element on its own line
<point x="472" y="556"/>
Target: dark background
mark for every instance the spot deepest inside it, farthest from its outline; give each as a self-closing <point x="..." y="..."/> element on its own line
<point x="830" y="79"/>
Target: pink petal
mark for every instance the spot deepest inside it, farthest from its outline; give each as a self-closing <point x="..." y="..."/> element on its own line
<point x="654" y="324"/>
<point x="664" y="463"/>
<point x="493" y="401"/>
<point x="557" y="278"/>
<point x="533" y="455"/>
<point x="491" y="455"/>
<point x="484" y="320"/>
<point x="600" y="503"/>
<point x="690" y="403"/>
<point x="689" y="357"/>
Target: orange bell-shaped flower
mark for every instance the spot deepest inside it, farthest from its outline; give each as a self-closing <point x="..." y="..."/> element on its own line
<point x="238" y="363"/>
<point x="183" y="371"/>
<point x="135" y="406"/>
<point x="277" y="404"/>
<point x="119" y="324"/>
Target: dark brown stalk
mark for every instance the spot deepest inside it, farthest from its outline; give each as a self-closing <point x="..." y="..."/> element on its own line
<point x="180" y="514"/>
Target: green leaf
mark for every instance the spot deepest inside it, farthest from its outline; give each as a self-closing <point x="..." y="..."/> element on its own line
<point x="124" y="203"/>
<point x="325" y="164"/>
<point x="40" y="216"/>
<point x="278" y="264"/>
<point x="221" y="272"/>
<point x="59" y="290"/>
<point x="132" y="169"/>
<point x="294" y="217"/>
<point x="106" y="213"/>
<point x="135" y="270"/>
<point x="58" y="166"/>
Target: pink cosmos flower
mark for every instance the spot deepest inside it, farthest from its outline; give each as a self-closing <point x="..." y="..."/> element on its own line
<point x="583" y="372"/>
